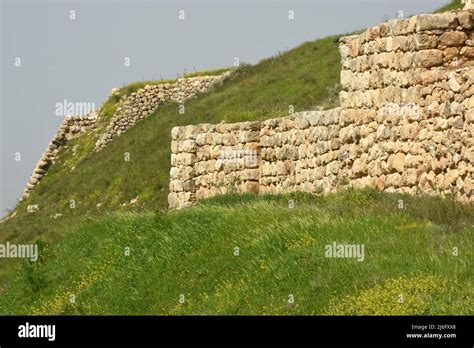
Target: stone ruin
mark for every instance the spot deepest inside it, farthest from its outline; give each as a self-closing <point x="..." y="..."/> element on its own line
<point x="405" y="124"/>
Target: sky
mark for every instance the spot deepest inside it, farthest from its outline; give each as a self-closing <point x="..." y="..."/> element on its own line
<point x="52" y="51"/>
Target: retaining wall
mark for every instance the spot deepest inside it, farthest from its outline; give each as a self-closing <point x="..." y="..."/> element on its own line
<point x="406" y="124"/>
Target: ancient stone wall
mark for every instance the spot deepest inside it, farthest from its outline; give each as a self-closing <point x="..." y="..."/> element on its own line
<point x="210" y="159"/>
<point x="300" y="153"/>
<point x="71" y="128"/>
<point x="407" y="105"/>
<point x="130" y="110"/>
<point x="144" y="102"/>
<point x="406" y="123"/>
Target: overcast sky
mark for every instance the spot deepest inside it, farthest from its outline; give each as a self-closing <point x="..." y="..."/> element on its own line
<point x="82" y="59"/>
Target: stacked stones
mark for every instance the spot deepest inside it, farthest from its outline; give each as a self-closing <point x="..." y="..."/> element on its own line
<point x="74" y="126"/>
<point x="142" y="103"/>
<point x="71" y="128"/>
<point x="407" y="105"/>
<point x="300" y="153"/>
<point x="406" y="123"/>
<point x="131" y="109"/>
<point x="211" y="159"/>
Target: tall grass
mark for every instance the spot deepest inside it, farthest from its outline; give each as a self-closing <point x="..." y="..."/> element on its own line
<point x="83" y="188"/>
<point x="452" y="5"/>
<point x="241" y="255"/>
<point x="299" y="78"/>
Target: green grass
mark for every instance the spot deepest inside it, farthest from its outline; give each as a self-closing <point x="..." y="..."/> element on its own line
<point x="453" y="5"/>
<point x="109" y="107"/>
<point x="213" y="72"/>
<point x="305" y="77"/>
<point x="299" y="77"/>
<point x="408" y="252"/>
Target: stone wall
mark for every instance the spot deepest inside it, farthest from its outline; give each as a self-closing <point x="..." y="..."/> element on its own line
<point x="71" y="128"/>
<point x="144" y="102"/>
<point x="130" y="110"/>
<point x="407" y="105"/>
<point x="210" y="159"/>
<point x="300" y="153"/>
<point x="405" y="123"/>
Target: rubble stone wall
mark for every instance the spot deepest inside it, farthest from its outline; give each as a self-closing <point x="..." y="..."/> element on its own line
<point x="130" y="110"/>
<point x="211" y="159"/>
<point x="144" y="102"/>
<point x="71" y="128"/>
<point x="406" y="123"/>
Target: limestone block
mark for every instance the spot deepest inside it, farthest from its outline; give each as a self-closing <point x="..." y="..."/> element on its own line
<point x="467" y="52"/>
<point x="453" y="38"/>
<point x="396" y="162"/>
<point x="250" y="187"/>
<point x="429" y="58"/>
<point x="250" y="174"/>
<point x="188" y="145"/>
<point x="450" y="53"/>
<point x="465" y="19"/>
<point x="248" y="136"/>
<point x="187" y="159"/>
<point x="425" y="41"/>
<point x="446" y="20"/>
<point x="173" y="200"/>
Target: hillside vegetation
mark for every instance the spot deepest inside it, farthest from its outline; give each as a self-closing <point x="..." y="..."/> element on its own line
<point x="86" y="219"/>
<point x="302" y="77"/>
<point x="98" y="183"/>
<point x="186" y="262"/>
<point x="453" y="5"/>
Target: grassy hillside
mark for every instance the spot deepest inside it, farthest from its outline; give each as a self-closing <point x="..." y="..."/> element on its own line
<point x="453" y="5"/>
<point x="302" y="77"/>
<point x="98" y="183"/>
<point x="408" y="268"/>
<point x="83" y="246"/>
